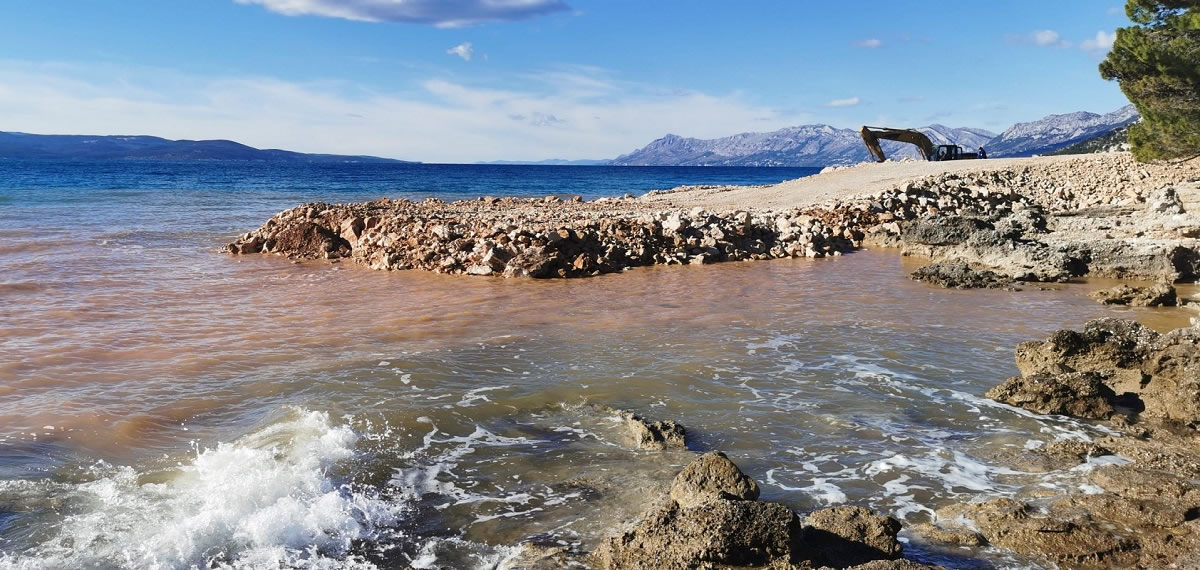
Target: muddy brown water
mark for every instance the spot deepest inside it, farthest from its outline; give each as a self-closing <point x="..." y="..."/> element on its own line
<point x="178" y="407"/>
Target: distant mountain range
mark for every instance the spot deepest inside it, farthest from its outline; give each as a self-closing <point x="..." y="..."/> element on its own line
<point x="1058" y="131"/>
<point x="807" y="145"/>
<point x="27" y="146"/>
<point x="821" y="145"/>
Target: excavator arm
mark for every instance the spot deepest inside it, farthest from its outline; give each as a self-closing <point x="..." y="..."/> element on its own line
<point x="871" y="136"/>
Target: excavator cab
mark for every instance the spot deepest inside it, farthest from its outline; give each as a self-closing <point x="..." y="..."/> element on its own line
<point x="952" y="152"/>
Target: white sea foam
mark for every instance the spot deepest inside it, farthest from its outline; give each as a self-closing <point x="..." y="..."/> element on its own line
<point x="266" y="500"/>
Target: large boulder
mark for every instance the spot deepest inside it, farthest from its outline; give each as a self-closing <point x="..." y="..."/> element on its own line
<point x="1078" y="394"/>
<point x="308" y="240"/>
<point x="713" y="519"/>
<point x="710" y="477"/>
<point x="739" y="533"/>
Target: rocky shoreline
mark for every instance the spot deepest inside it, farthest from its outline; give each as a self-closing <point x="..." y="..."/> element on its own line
<point x="1102" y="216"/>
<point x="1097" y="216"/>
<point x="1138" y="508"/>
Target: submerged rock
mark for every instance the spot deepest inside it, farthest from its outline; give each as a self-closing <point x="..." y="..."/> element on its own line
<point x="655" y="436"/>
<point x="959" y="275"/>
<point x="1158" y="295"/>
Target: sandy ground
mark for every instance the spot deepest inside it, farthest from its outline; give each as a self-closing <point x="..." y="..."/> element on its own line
<point x="862" y="180"/>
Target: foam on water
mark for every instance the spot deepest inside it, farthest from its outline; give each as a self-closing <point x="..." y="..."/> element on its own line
<point x="266" y="500"/>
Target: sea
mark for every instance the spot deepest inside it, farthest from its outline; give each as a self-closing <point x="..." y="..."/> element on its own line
<point x="165" y="405"/>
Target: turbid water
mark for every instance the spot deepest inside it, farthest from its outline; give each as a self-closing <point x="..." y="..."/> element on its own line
<point x="163" y="405"/>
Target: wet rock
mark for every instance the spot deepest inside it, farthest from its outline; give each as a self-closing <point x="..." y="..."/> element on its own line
<point x="1077" y="394"/>
<point x="1138" y="482"/>
<point x="1021" y="528"/>
<point x="894" y="565"/>
<point x="1148" y="374"/>
<point x="959" y="275"/>
<point x="736" y="533"/>
<point x="1139" y="510"/>
<point x="1158" y="295"/>
<point x="845" y="536"/>
<point x="713" y="520"/>
<point x="533" y="556"/>
<point x="710" y="477"/>
<point x="656" y="436"/>
<point x="1071" y="452"/>
<point x="951" y="537"/>
<point x="1103" y="345"/>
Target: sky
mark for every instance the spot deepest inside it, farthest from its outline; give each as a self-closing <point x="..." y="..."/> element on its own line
<point x="482" y="80"/>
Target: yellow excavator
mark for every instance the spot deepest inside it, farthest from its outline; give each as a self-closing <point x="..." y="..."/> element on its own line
<point x="929" y="151"/>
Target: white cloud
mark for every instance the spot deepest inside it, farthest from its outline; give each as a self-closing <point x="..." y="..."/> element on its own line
<point x="849" y="102"/>
<point x="1102" y="42"/>
<point x="1048" y="38"/>
<point x="870" y="43"/>
<point x="463" y="50"/>
<point x="441" y="13"/>
<point x="566" y="113"/>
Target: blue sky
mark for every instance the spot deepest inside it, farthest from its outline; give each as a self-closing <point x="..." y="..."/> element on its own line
<point x="468" y="80"/>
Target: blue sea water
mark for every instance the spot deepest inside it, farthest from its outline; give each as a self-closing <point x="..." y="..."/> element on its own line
<point x="215" y="199"/>
<point x="72" y="179"/>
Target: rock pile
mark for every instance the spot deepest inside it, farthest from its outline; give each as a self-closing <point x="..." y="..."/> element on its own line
<point x="713" y="519"/>
<point x="539" y="238"/>
<point x="1099" y="215"/>
<point x="1142" y="508"/>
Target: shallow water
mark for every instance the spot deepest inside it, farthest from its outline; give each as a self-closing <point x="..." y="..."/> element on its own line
<point x="164" y="405"/>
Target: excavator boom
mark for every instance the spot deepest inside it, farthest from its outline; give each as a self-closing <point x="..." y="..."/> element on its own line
<point x="871" y="136"/>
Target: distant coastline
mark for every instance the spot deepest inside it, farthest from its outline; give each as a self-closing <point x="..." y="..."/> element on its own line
<point x="25" y="146"/>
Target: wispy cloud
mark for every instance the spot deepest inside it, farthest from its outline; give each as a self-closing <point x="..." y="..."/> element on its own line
<point x="848" y="102"/>
<point x="870" y="43"/>
<point x="441" y="13"/>
<point x="1101" y="43"/>
<point x="1048" y="38"/>
<point x="463" y="50"/>
<point x="565" y="113"/>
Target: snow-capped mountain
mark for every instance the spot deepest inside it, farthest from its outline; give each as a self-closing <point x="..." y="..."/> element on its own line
<point x="807" y="145"/>
<point x="1057" y="131"/>
<point x="822" y="145"/>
